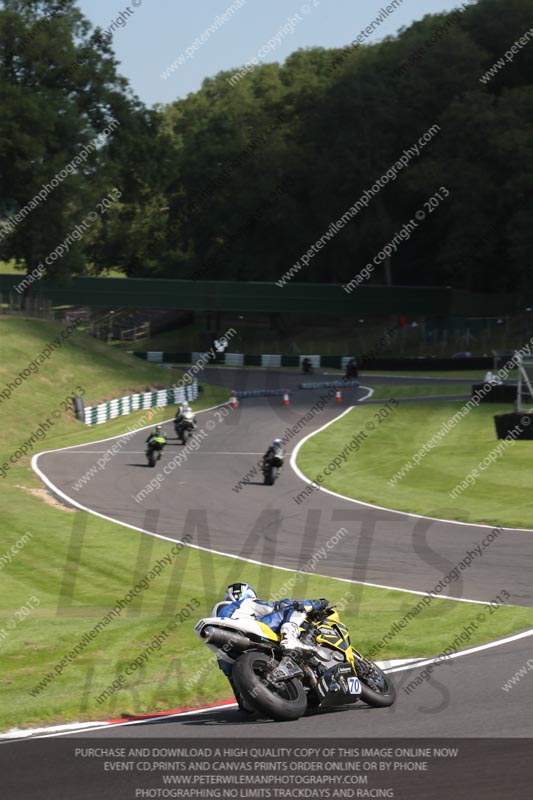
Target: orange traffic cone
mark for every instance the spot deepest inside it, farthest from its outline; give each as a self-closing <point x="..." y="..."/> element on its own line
<point x="233" y="400"/>
<point x="286" y="401"/>
<point x="338" y="395"/>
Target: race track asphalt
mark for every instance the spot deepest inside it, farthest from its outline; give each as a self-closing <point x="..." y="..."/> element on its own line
<point x="267" y="524"/>
<point x="462" y="697"/>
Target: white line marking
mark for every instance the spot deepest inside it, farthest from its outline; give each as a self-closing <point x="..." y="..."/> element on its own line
<point x="96" y="452"/>
<point x="389" y="667"/>
<point x="97" y="726"/>
<point x="73" y="727"/>
<point x="477" y="649"/>
<point x="75" y="503"/>
<point x="307" y="480"/>
<point x="300" y="474"/>
<point x="213" y="453"/>
<point x="24" y="733"/>
<point x="141" y="452"/>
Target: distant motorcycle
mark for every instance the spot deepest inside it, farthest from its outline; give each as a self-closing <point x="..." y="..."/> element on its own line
<point x="184" y="426"/>
<point x="351" y="370"/>
<point x="307" y="366"/>
<point x="272" y="466"/>
<point x="154" y="450"/>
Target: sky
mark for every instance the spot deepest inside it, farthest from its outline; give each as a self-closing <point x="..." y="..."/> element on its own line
<point x="150" y="35"/>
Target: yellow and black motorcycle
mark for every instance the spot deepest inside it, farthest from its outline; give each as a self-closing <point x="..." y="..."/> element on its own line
<point x="329" y="673"/>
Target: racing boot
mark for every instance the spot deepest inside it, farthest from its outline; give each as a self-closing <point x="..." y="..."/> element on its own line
<point x="291" y="643"/>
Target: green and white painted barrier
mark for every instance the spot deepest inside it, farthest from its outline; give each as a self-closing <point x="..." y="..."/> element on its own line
<point x="95" y="415"/>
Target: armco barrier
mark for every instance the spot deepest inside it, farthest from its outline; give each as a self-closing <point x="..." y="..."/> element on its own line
<point x="341" y="383"/>
<point x="414" y="364"/>
<point x="271" y="361"/>
<point x="95" y="415"/>
<point x="234" y="360"/>
<point x="261" y="393"/>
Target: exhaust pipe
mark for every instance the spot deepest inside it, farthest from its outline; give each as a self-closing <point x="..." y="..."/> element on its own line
<point x="221" y="638"/>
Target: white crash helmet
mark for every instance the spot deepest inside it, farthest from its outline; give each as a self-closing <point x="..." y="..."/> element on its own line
<point x="239" y="591"/>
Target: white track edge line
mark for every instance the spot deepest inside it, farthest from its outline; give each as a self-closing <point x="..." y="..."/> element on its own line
<point x="99" y="726"/>
<point x="351" y="581"/>
<point x="413" y="664"/>
<point x="302" y="476"/>
<point x="477" y="649"/>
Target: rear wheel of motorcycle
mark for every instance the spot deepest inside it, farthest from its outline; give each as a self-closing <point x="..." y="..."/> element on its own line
<point x="377" y="688"/>
<point x="283" y="703"/>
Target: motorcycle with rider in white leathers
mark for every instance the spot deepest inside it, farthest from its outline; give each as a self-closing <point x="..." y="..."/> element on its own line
<point x="286" y="656"/>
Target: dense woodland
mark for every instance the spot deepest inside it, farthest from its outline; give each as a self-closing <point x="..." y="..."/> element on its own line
<point x="236" y="182"/>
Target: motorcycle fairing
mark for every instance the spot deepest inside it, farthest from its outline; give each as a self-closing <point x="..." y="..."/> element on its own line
<point x="334" y="634"/>
<point x="245" y="624"/>
<point x="255" y="630"/>
<point x="268" y="632"/>
<point x="334" y="687"/>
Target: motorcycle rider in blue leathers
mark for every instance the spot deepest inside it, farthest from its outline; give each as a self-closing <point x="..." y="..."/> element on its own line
<point x="283" y="616"/>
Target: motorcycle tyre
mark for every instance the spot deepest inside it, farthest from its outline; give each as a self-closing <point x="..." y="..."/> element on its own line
<point x="378" y="699"/>
<point x="266" y="702"/>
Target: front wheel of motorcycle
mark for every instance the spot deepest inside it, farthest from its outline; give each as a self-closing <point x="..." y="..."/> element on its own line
<point x="281" y="701"/>
<point x="377" y="689"/>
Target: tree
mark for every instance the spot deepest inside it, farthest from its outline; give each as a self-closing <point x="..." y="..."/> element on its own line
<point x="60" y="93"/>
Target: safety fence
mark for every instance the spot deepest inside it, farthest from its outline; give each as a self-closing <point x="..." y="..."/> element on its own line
<point x="329" y="384"/>
<point x="368" y="362"/>
<point x="242" y="393"/>
<point x="95" y="415"/>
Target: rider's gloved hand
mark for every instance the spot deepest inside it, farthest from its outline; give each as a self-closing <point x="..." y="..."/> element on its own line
<point x="298" y="606"/>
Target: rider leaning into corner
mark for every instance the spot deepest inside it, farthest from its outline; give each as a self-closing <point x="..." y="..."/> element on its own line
<point x="283" y="616"/>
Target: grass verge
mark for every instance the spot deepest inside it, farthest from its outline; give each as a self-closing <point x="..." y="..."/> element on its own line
<point x="500" y="495"/>
<point x="67" y="569"/>
<point x="176" y="669"/>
